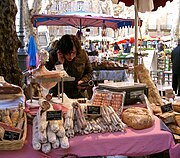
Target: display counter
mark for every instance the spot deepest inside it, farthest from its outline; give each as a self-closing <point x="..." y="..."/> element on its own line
<point x="124" y="59"/>
<point x="130" y="143"/>
<point x="114" y="75"/>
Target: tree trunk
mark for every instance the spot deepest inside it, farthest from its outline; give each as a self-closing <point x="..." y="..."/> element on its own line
<point x="37" y="4"/>
<point x="9" y="67"/>
<point x="27" y="21"/>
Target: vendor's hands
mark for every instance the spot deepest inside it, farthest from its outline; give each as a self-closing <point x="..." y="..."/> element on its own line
<point x="60" y="57"/>
<point x="79" y="85"/>
<point x="80" y="81"/>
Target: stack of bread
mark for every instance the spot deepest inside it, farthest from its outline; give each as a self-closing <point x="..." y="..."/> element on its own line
<point x="10" y="95"/>
<point x="13" y="122"/>
<point x="170" y="118"/>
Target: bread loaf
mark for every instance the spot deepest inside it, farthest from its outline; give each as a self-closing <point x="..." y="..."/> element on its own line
<point x="177" y="118"/>
<point x="176" y="106"/>
<point x="174" y="128"/>
<point x="168" y="117"/>
<point x="137" y="118"/>
<point x="155" y="109"/>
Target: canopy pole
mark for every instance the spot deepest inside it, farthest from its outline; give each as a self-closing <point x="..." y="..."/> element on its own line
<point x="136" y="38"/>
<point x="80" y="25"/>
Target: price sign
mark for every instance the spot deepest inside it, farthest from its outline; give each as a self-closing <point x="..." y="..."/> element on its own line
<point x="54" y="115"/>
<point x="93" y="110"/>
<point x="167" y="108"/>
<point x="11" y="135"/>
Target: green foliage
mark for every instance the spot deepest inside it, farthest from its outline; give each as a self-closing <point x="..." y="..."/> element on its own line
<point x="143" y="49"/>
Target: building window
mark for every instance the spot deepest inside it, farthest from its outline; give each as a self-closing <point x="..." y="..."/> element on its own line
<point x="80" y="5"/>
<point x="152" y="23"/>
<point x="67" y="30"/>
<point x="169" y="18"/>
<point x="57" y="6"/>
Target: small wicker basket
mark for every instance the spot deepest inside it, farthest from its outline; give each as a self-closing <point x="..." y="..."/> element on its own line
<point x="15" y="144"/>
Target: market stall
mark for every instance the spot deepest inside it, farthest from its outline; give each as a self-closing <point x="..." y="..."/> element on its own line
<point x="141" y="6"/>
<point x="131" y="143"/>
<point x="97" y="128"/>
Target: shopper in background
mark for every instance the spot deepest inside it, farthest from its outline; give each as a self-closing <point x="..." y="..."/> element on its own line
<point x="76" y="63"/>
<point x="175" y="58"/>
<point x="116" y="48"/>
<point x="51" y="46"/>
<point x="91" y="46"/>
<point x="160" y="47"/>
<point x="127" y="46"/>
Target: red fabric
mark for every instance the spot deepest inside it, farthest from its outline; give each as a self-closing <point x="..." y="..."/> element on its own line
<point x="131" y="40"/>
<point x="157" y="3"/>
<point x="131" y="143"/>
<point x="116" y="51"/>
<point x="121" y="41"/>
<point x="28" y="61"/>
<point x="59" y="107"/>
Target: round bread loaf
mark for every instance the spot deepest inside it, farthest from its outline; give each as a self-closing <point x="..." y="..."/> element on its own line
<point x="176" y="106"/>
<point x="137" y="118"/>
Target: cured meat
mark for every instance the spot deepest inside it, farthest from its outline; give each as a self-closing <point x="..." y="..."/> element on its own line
<point x="42" y="73"/>
<point x="7" y="88"/>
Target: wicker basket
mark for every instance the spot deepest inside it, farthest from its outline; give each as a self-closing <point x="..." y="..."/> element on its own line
<point x="15" y="144"/>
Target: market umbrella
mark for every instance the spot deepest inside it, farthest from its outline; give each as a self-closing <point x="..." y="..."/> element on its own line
<point x="32" y="52"/>
<point x="144" y="3"/>
<point x="81" y="21"/>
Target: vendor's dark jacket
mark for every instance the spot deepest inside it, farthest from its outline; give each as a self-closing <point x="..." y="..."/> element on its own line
<point x="175" y="58"/>
<point x="80" y="68"/>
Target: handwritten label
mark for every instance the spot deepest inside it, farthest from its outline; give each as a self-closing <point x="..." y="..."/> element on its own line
<point x="54" y="115"/>
<point x="11" y="135"/>
<point x="93" y="110"/>
<point x="167" y="108"/>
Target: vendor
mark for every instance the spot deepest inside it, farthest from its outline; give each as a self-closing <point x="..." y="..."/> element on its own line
<point x="76" y="63"/>
<point x="116" y="48"/>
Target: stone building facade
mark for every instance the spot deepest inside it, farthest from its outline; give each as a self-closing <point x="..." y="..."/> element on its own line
<point x="162" y="22"/>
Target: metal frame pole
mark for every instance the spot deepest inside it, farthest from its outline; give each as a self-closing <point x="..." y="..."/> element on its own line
<point x="136" y="38"/>
<point x="22" y="54"/>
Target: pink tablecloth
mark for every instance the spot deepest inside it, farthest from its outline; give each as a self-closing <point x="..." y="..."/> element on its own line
<point x="131" y="143"/>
